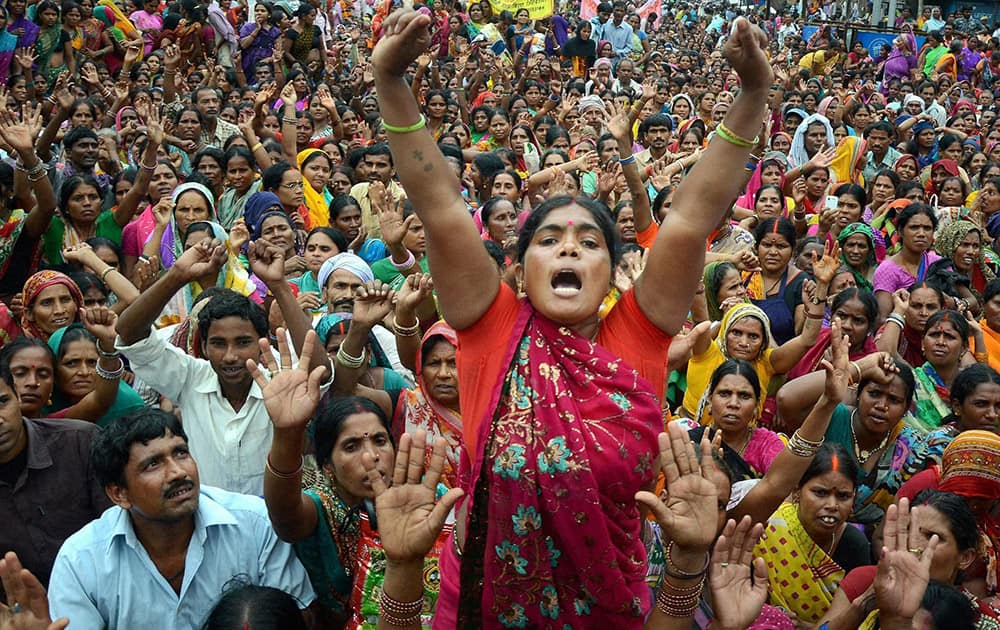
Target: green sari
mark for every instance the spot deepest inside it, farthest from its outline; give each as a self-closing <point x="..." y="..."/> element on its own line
<point x="47" y="45"/>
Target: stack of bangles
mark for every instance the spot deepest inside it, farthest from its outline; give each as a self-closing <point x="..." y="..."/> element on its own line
<point x="729" y="136"/>
<point x="897" y="319"/>
<point x="351" y="362"/>
<point x="680" y="601"/>
<point x="401" y="614"/>
<point x="802" y="447"/>
<point x="113" y="375"/>
<point x="406" y="265"/>
<point x="405" y="331"/>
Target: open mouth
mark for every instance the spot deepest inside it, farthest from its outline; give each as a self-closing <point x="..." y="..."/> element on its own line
<point x="829" y="521"/>
<point x="566" y="283"/>
<point x="181" y="493"/>
<point x="231" y="371"/>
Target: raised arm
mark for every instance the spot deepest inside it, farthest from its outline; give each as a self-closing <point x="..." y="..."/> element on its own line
<point x="791" y="352"/>
<point x="464" y="274"/>
<point x="700" y="201"/>
<point x="371" y="305"/>
<point x="268" y="263"/>
<point x="147" y="164"/>
<point x="416" y="294"/>
<point x="201" y="260"/>
<point x="784" y="473"/>
<point x="620" y="126"/>
<point x="100" y="322"/>
<point x="290" y="397"/>
<point x="20" y="136"/>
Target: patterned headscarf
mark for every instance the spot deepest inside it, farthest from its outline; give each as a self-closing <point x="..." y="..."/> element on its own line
<point x="970" y="465"/>
<point x="846" y="233"/>
<point x="35" y="285"/>
<point x="735" y="314"/>
<point x="847" y="162"/>
<point x="951" y="236"/>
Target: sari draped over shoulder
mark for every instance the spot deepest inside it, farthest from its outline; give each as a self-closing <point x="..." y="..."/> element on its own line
<point x="554" y="531"/>
<point x="932" y="400"/>
<point x="418" y="410"/>
<point x="803" y="578"/>
<point x="810" y="362"/>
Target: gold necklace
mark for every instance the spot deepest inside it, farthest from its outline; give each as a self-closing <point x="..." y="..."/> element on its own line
<point x="863" y="455"/>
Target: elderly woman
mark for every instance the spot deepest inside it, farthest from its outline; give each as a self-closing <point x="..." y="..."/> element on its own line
<point x="962" y="242"/>
<point x="51" y="301"/>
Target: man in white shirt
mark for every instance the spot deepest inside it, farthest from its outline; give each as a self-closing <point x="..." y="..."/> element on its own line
<point x="162" y="556"/>
<point x="222" y="407"/>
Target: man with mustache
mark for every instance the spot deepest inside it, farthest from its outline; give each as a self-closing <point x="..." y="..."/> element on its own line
<point x="47" y="487"/>
<point x="339" y="279"/>
<point x="166" y="552"/>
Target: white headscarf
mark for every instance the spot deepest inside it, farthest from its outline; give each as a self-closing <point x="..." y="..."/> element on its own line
<point x="797" y="155"/>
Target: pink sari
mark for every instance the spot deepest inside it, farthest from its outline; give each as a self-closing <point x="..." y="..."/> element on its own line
<point x="554" y="530"/>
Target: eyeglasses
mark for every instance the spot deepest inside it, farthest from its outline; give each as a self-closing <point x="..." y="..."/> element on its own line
<point x="293" y="186"/>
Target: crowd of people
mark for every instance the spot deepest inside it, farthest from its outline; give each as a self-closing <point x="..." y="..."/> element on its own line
<point x="385" y="314"/>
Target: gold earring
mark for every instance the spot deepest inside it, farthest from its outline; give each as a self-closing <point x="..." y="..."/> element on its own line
<point x="520" y="286"/>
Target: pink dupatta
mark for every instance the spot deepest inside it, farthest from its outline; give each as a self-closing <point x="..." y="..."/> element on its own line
<point x="554" y="530"/>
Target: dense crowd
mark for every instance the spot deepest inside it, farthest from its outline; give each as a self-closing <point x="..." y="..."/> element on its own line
<point x="377" y="314"/>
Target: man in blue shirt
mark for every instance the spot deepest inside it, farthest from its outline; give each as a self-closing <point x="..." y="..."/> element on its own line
<point x="618" y="32"/>
<point x="162" y="556"/>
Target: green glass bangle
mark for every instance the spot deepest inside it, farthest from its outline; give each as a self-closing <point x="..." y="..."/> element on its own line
<point x="417" y="126"/>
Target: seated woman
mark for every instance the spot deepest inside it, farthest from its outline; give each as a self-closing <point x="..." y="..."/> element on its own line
<point x="345" y="215"/>
<point x="858" y="251"/>
<point x="322" y="243"/>
<point x="188" y="203"/>
<point x="935" y="514"/>
<point x="969" y="468"/>
<point x="916" y="224"/>
<point x="51" y="300"/>
<point x="777" y="286"/>
<point x="873" y="433"/>
<point x="732" y="396"/>
<point x="975" y="405"/>
<point x="903" y="331"/>
<point x="723" y="289"/>
<point x="945" y="344"/>
<point x="403" y="233"/>
<point x="962" y="241"/>
<point x="88" y="382"/>
<point x="265" y="218"/>
<point x="745" y="333"/>
<point x="857" y="312"/>
<point x="808" y="544"/>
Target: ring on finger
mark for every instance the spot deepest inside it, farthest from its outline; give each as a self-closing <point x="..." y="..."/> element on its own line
<point x="916" y="551"/>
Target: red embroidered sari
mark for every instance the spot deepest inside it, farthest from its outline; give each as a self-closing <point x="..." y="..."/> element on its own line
<point x="553" y="531"/>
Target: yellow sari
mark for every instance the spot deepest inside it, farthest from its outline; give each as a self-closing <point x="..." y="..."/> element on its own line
<point x="319" y="210"/>
<point x="802" y="577"/>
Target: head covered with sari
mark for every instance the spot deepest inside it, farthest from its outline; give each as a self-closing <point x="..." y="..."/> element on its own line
<point x="126" y="401"/>
<point x="172" y="243"/>
<point x="849" y="161"/>
<point x="419" y="409"/>
<point x="906" y="157"/>
<point x="713" y="276"/>
<point x="797" y="155"/>
<point x="748" y="198"/>
<point x="256" y="206"/>
<point x="316" y="201"/>
<point x="948" y="166"/>
<point x="864" y="229"/>
<point x="33" y="287"/>
<point x="885" y="224"/>
<point x="947" y="241"/>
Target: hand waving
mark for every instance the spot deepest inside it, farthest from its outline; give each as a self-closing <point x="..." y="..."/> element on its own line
<point x="904" y="568"/>
<point x="688" y="515"/>
<point x="292" y="394"/>
<point x="409" y="520"/>
<point x="825" y="267"/>
<point x="737" y="596"/>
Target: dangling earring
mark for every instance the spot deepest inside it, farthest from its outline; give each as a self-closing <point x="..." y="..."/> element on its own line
<point x="520" y="286"/>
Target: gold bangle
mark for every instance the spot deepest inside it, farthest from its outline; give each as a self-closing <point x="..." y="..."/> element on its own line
<point x="280" y="475"/>
<point x="259" y="145"/>
<point x="981" y="357"/>
<point x="105" y="273"/>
